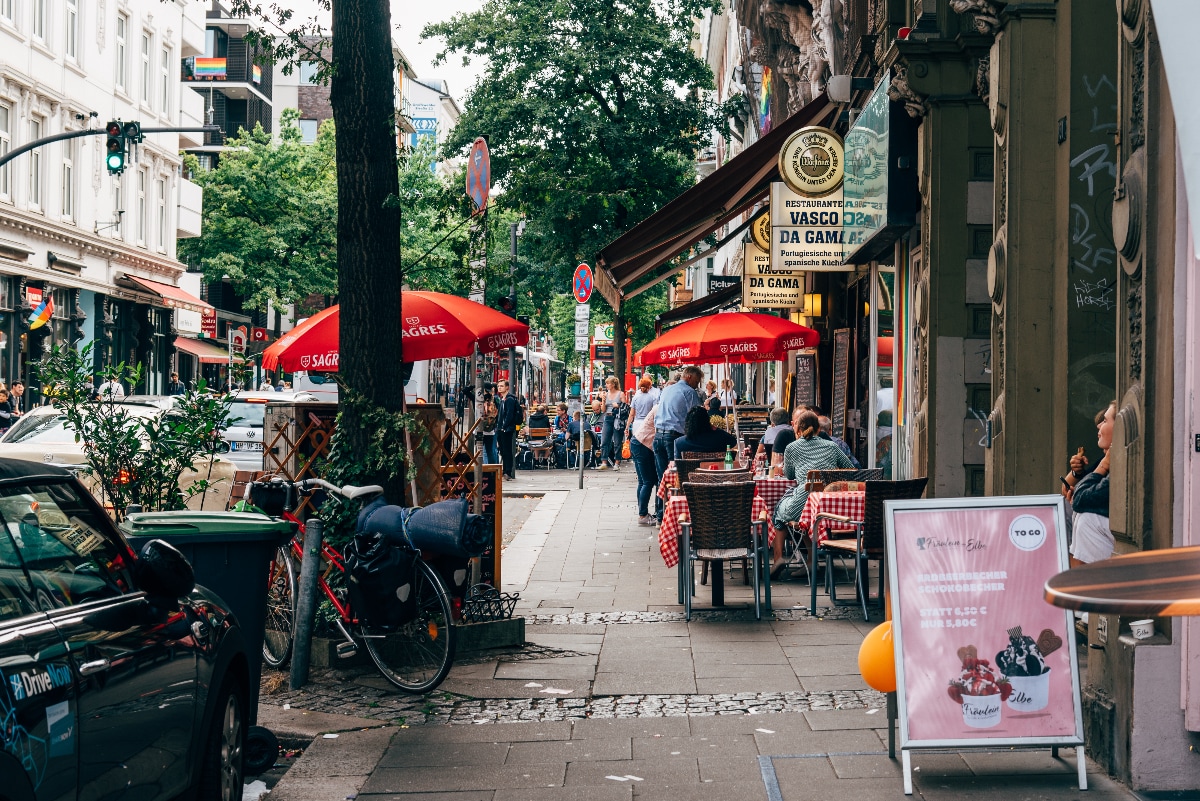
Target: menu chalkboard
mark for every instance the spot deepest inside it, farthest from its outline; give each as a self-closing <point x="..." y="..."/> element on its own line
<point x="806" y="379"/>
<point x="841" y="380"/>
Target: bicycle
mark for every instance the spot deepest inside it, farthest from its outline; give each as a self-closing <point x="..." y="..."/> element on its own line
<point x="415" y="656"/>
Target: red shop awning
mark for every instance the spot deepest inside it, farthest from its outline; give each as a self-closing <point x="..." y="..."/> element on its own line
<point x="171" y="296"/>
<point x="205" y="352"/>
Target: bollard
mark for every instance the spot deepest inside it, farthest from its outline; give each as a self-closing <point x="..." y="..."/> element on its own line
<point x="306" y="602"/>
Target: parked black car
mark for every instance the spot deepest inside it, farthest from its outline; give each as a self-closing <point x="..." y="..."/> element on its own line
<point x="118" y="677"/>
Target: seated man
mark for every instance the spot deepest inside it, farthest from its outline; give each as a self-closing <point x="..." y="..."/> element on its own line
<point x="699" y="435"/>
<point x="779" y="422"/>
<point x="539" y="418"/>
<point x="573" y="428"/>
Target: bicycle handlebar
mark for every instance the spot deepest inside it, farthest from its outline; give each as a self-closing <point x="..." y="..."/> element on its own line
<point x="349" y="491"/>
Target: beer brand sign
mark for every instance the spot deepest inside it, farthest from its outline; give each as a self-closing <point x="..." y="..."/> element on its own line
<point x="812" y="161"/>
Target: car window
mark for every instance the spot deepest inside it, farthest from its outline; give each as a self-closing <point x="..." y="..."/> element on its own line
<point x="70" y="555"/>
<point x="245" y="413"/>
<point x="40" y="428"/>
<point x="16" y="594"/>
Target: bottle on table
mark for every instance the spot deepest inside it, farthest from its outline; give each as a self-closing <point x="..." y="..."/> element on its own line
<point x="728" y="457"/>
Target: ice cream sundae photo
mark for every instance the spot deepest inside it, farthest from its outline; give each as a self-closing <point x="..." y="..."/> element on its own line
<point x="979" y="689"/>
<point x="1023" y="663"/>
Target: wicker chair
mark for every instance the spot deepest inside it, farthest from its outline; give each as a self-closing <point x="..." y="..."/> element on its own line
<point x="690" y="460"/>
<point x="721" y="477"/>
<point x="720" y="528"/>
<point x="823" y="477"/>
<point x="752" y="441"/>
<point x="870" y="535"/>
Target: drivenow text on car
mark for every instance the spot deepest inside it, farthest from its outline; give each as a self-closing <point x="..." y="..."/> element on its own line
<point x="806" y="207"/>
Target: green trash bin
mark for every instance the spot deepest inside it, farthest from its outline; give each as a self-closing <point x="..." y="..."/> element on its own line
<point x="231" y="554"/>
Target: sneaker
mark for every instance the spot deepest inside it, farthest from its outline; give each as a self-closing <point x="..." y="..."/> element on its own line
<point x="602" y="466"/>
<point x="617" y="466"/>
<point x="645" y="520"/>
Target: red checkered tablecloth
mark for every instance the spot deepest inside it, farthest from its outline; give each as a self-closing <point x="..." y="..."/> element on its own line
<point x="670" y="481"/>
<point x="676" y="507"/>
<point x="847" y="504"/>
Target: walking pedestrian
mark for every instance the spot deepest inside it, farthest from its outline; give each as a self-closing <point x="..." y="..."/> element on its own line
<point x="641" y="447"/>
<point x="175" y="386"/>
<point x="610" y="454"/>
<point x="1092" y="538"/>
<point x="508" y="416"/>
<point x="490" y="415"/>
<point x="673" y="405"/>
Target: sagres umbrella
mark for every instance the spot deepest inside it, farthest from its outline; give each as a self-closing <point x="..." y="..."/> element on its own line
<point x="433" y="326"/>
<point x="734" y="337"/>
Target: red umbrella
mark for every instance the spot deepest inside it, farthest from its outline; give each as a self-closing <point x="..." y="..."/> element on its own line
<point x="735" y="337"/>
<point x="434" y="326"/>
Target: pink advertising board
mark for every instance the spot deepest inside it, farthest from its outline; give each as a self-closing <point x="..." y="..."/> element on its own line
<point x="982" y="659"/>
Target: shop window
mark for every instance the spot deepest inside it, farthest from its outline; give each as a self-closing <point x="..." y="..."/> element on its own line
<point x="983" y="164"/>
<point x="6" y="293"/>
<point x="976" y="481"/>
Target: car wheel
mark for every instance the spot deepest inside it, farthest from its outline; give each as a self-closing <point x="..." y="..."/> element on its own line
<point x="262" y="751"/>
<point x="221" y="771"/>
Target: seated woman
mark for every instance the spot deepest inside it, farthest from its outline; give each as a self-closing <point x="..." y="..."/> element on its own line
<point x="1092" y="538"/>
<point x="699" y="435"/>
<point x="539" y="418"/>
<point x="808" y="452"/>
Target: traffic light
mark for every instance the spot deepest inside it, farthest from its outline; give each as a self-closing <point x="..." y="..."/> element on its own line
<point x="508" y="305"/>
<point x="114" y="148"/>
<point x="133" y="133"/>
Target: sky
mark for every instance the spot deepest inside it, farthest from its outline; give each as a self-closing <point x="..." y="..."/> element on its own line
<point x="408" y="18"/>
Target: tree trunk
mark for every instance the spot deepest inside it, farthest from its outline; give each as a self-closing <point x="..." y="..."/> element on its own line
<point x="619" y="366"/>
<point x="362" y="93"/>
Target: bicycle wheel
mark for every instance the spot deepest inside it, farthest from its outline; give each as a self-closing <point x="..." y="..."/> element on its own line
<point x="417" y="656"/>
<point x="281" y="615"/>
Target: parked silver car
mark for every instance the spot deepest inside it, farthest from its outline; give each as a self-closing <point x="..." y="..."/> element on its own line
<point x="245" y="434"/>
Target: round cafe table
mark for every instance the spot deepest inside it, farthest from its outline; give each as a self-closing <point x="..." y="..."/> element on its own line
<point x="1163" y="583"/>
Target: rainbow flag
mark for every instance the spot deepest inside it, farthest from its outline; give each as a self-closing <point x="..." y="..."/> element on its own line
<point x="210" y="68"/>
<point x="41" y="315"/>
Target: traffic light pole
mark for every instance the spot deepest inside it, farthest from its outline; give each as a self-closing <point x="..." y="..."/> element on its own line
<point x="46" y="140"/>
<point x="512" y="292"/>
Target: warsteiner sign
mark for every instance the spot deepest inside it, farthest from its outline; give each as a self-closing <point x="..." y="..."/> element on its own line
<point x="812" y="161"/>
<point x="765" y="288"/>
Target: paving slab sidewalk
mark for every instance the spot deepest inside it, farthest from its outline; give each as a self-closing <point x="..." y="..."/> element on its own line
<point x="622" y="699"/>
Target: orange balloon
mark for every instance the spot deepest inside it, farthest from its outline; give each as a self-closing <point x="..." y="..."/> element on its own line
<point x="877" y="659"/>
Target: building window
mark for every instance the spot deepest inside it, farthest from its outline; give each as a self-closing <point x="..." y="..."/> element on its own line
<point x="164" y="76"/>
<point x="146" y="68"/>
<point x="308" y="131"/>
<point x="141" y="208"/>
<point x="5" y="146"/>
<point x="68" y="180"/>
<point x="71" y="43"/>
<point x="40" y="12"/>
<point x="35" y="166"/>
<point x="308" y="71"/>
<point x="6" y="11"/>
<point x="160" y="200"/>
<point x="122" y="59"/>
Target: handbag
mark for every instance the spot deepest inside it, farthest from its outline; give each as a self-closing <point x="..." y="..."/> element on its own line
<point x="626" y="453"/>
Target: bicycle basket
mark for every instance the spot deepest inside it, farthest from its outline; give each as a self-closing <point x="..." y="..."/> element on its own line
<point x="271" y="497"/>
<point x="484" y="602"/>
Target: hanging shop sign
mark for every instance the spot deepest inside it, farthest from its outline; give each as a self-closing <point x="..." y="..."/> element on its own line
<point x="880" y="188"/>
<point x="981" y="659"/>
<point x="806" y="232"/>
<point x="716" y="283"/>
<point x="767" y="288"/>
<point x="760" y="229"/>
<point x="811" y="161"/>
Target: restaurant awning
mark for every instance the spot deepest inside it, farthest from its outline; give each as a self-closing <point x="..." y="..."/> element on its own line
<point x="639" y="258"/>
<point x="205" y="352"/>
<point x="168" y="295"/>
<point x="711" y="302"/>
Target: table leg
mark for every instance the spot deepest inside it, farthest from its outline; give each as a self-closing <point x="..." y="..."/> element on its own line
<point x="718" y="582"/>
<point x="812" y="570"/>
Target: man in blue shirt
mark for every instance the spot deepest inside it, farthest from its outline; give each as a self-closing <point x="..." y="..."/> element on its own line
<point x="673" y="405"/>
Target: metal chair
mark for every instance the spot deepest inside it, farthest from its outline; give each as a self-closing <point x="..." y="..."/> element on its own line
<point x="870" y="541"/>
<point x="721" y="477"/>
<point x="720" y="528"/>
<point x="541" y="446"/>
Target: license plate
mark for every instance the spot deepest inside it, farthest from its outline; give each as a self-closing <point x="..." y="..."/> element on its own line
<point x="245" y="446"/>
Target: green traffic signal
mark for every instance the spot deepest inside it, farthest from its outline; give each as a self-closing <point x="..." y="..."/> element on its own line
<point x="114" y="147"/>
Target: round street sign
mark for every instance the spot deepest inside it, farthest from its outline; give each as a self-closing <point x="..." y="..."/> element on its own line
<point x="761" y="229"/>
<point x="581" y="287"/>
<point x="479" y="173"/>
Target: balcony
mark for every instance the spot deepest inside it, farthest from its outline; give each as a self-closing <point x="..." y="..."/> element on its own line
<point x="191" y="205"/>
<point x="236" y="78"/>
<point x="191" y="115"/>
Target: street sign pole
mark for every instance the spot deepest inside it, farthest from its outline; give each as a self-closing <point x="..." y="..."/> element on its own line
<point x="581" y="288"/>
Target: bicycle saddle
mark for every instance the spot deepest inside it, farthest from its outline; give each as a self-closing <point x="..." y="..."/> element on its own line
<point x="351" y="492"/>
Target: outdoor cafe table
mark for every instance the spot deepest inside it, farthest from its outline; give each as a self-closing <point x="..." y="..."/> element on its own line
<point x="1162" y="583"/>
<point x="771" y="488"/>
<point x="668" y="537"/>
<point x="847" y="504"/>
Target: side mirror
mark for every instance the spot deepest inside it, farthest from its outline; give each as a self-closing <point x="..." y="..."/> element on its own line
<point x="162" y="571"/>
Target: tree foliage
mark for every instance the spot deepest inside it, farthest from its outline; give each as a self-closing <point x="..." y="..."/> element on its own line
<point x="593" y="115"/>
<point x="270" y="216"/>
